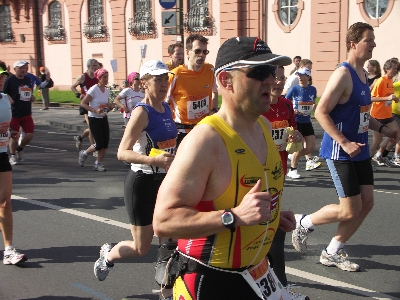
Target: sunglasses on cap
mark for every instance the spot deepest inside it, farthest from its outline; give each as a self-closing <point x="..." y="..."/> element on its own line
<point x="260" y="72"/>
<point x="198" y="51"/>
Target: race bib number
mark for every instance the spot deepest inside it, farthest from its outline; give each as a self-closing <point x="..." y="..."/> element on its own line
<point x="305" y="107"/>
<point x="25" y="93"/>
<point x="198" y="108"/>
<point x="269" y="287"/>
<point x="4" y="137"/>
<point x="364" y="118"/>
<point x="104" y="108"/>
<point x="280" y="137"/>
<point x="167" y="146"/>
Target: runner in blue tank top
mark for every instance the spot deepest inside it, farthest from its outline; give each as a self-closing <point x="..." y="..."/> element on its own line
<point x="343" y="112"/>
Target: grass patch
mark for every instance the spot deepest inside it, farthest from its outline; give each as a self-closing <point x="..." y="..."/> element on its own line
<point x="59" y="96"/>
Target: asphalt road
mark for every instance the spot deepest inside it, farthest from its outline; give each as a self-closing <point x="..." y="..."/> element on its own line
<point x="63" y="214"/>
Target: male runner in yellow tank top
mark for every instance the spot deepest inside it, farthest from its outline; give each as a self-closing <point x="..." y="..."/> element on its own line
<point x="221" y="196"/>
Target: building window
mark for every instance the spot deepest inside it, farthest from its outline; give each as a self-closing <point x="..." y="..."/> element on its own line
<point x="375" y="11"/>
<point x="288" y="13"/>
<point x="376" y="8"/>
<point x="54" y="31"/>
<point x="95" y="27"/>
<point x="142" y="23"/>
<point x="198" y="18"/>
<point x="5" y="24"/>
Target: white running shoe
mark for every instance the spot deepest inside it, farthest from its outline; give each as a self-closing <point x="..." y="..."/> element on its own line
<point x="313" y="163"/>
<point x="294" y="296"/>
<point x="101" y="269"/>
<point x="13" y="257"/>
<point x="13" y="160"/>
<point x="20" y="156"/>
<point x="82" y="158"/>
<point x="78" y="142"/>
<point x="382" y="161"/>
<point x="395" y="161"/>
<point x="339" y="259"/>
<point x="300" y="235"/>
<point x="99" y="167"/>
<point x="293" y="174"/>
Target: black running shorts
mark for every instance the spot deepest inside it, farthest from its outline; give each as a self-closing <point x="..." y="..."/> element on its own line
<point x="5" y="165"/>
<point x="348" y="176"/>
<point x="140" y="194"/>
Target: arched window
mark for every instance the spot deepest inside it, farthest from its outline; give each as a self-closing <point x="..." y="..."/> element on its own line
<point x="54" y="31"/>
<point x="287" y="13"/>
<point x="376" y="8"/>
<point x="95" y="27"/>
<point x="5" y="24"/>
<point x="375" y="12"/>
<point x="142" y="23"/>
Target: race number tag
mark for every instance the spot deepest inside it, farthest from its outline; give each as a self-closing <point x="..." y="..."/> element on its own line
<point x="264" y="282"/>
<point x="104" y="108"/>
<point x="305" y="107"/>
<point x="198" y="108"/>
<point x="364" y="118"/>
<point x="25" y="93"/>
<point x="280" y="136"/>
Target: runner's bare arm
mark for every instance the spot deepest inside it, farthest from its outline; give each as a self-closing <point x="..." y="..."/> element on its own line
<point x="79" y="80"/>
<point x="337" y="91"/>
<point x="197" y="174"/>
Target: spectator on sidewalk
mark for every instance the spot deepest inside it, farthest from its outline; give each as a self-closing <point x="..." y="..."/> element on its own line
<point x="44" y="91"/>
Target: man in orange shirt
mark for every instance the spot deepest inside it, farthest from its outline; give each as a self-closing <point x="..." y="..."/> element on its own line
<point x="382" y="96"/>
<point x="176" y="54"/>
<point x="192" y="94"/>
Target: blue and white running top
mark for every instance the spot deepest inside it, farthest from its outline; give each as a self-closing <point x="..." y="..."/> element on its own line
<point x="303" y="100"/>
<point x="352" y="119"/>
<point x="160" y="133"/>
<point x="5" y="117"/>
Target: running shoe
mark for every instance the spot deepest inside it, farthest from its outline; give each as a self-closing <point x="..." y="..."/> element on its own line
<point x="13" y="160"/>
<point x="13" y="257"/>
<point x="78" y="142"/>
<point x="384" y="161"/>
<point x="339" y="259"/>
<point x="293" y="174"/>
<point x="300" y="235"/>
<point x="82" y="158"/>
<point x="313" y="163"/>
<point x="295" y="296"/>
<point x="101" y="269"/>
<point x="95" y="153"/>
<point x="20" y="156"/>
<point x="395" y="161"/>
<point x="99" y="167"/>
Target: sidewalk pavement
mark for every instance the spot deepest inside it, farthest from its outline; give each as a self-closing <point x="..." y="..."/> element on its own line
<point x="68" y="117"/>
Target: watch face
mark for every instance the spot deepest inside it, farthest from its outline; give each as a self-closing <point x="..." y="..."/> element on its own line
<point x="227" y="218"/>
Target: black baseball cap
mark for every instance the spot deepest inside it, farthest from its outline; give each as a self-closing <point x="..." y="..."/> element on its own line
<point x="243" y="50"/>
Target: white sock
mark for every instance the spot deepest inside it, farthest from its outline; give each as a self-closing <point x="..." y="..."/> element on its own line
<point x="84" y="153"/>
<point x="334" y="246"/>
<point x="96" y="162"/>
<point x="378" y="153"/>
<point x="396" y="155"/>
<point x="306" y="222"/>
<point x="8" y="248"/>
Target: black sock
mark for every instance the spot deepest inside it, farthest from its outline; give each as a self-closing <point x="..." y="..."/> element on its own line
<point x="292" y="169"/>
<point x="80" y="138"/>
<point x="19" y="148"/>
<point x="385" y="153"/>
<point x="110" y="265"/>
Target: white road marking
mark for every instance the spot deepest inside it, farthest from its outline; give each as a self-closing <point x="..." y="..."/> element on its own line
<point x="291" y="271"/>
<point x="331" y="282"/>
<point x="46" y="148"/>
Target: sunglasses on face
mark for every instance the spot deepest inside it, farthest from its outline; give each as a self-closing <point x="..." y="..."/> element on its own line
<point x="198" y="51"/>
<point x="262" y="72"/>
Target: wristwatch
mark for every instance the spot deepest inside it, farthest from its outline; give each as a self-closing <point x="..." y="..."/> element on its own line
<point x="228" y="220"/>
